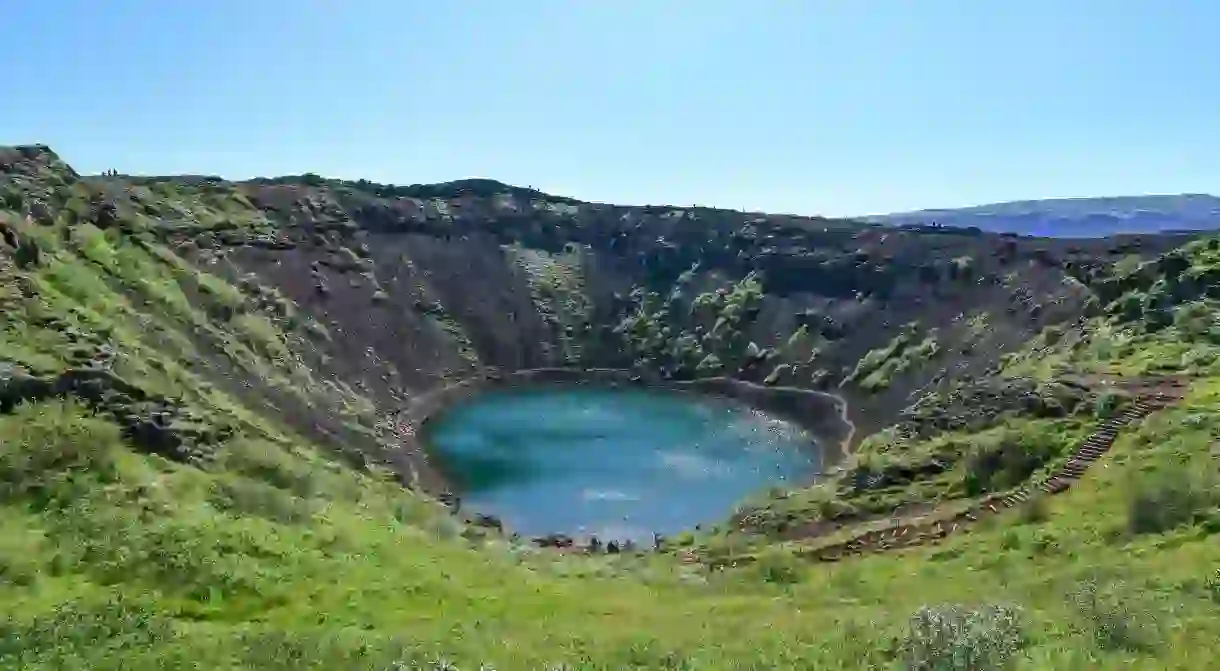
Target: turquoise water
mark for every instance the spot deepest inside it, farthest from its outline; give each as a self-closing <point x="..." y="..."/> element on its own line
<point x="616" y="463"/>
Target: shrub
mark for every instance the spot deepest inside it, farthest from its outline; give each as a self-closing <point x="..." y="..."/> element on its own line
<point x="11" y="198"/>
<point x="1112" y="619"/>
<point x="1130" y="307"/>
<point x="46" y="444"/>
<point x="962" y="268"/>
<point x="1107" y="403"/>
<point x="1212" y="586"/>
<point x="1170" y="498"/>
<point x="267" y="462"/>
<point x="86" y="633"/>
<point x="778" y="567"/>
<point x="710" y="365"/>
<point x="261" y="334"/>
<point x="956" y="637"/>
<point x="27" y="254"/>
<point x="242" y="496"/>
<point x="1195" y="321"/>
<point x="1005" y="460"/>
<point x="1052" y="334"/>
<point x="1034" y="511"/>
<point x="316" y="331"/>
<point x="1156" y="319"/>
<point x="780" y="372"/>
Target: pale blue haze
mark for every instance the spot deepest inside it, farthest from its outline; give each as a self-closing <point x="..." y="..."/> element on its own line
<point x="834" y="107"/>
<point x="616" y="463"/>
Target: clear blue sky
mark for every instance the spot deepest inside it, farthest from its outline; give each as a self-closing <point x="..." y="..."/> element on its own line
<point x="809" y="106"/>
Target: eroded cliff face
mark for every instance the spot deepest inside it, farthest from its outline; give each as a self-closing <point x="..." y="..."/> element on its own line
<point x="304" y="307"/>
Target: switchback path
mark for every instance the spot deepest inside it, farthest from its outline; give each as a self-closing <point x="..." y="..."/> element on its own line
<point x="1149" y="396"/>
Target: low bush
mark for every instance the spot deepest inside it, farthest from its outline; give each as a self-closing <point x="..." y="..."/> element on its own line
<point x="1171" y="498"/>
<point x="778" y="567"/>
<point x="1114" y="619"/>
<point x="1005" y="459"/>
<point x="1106" y="405"/>
<point x="1212" y="586"/>
<point x="1034" y="511"/>
<point x="953" y="637"/>
<point x="241" y="496"/>
<point x="47" y="444"/>
<point x="82" y="635"/>
<point x="269" y="463"/>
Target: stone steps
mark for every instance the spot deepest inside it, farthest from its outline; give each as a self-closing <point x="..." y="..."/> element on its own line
<point x="10" y="293"/>
<point x="1086" y="453"/>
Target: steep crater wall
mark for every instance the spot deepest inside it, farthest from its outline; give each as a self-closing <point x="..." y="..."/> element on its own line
<point x="330" y="308"/>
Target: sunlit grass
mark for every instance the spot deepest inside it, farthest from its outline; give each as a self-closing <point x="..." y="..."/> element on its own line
<point x="271" y="555"/>
<point x="361" y="560"/>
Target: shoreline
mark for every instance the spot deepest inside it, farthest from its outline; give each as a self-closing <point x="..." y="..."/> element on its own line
<point x="824" y="415"/>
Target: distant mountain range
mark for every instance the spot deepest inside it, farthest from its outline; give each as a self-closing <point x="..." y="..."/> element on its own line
<point x="1075" y="217"/>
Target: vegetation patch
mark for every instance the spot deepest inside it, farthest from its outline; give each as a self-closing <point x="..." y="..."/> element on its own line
<point x="876" y="370"/>
<point x="556" y="283"/>
<point x="146" y="312"/>
<point x="957" y="637"/>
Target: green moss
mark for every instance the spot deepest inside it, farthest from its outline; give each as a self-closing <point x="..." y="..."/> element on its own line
<point x="659" y="334"/>
<point x="877" y="369"/>
<point x="49" y="445"/>
<point x="270" y="555"/>
<point x="262" y="335"/>
<point x="1174" y="496"/>
<point x="557" y="287"/>
<point x="884" y="474"/>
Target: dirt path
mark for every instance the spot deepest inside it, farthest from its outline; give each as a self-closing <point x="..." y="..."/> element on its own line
<point x="920" y="524"/>
<point x="1151" y="394"/>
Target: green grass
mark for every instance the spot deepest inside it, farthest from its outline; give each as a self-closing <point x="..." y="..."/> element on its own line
<point x="556" y="284"/>
<point x="172" y="573"/>
<point x="269" y="554"/>
<point x="885" y="474"/>
<point x="876" y="370"/>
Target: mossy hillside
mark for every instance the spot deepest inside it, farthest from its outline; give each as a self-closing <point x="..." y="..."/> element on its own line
<point x="262" y="551"/>
<point x="819" y="280"/>
<point x="984" y="436"/>
<point x="246" y="327"/>
<point x="145" y="319"/>
<point x="951" y="446"/>
<point x="1157" y="316"/>
<point x="556" y="283"/>
<point x="116" y="560"/>
<point x="830" y="277"/>
<point x="877" y="369"/>
<point x="975" y="437"/>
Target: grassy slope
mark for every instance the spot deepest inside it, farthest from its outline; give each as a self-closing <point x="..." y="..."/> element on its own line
<point x="361" y="571"/>
<point x="263" y="553"/>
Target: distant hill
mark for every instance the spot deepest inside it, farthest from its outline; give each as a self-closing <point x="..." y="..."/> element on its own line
<point x="1075" y="217"/>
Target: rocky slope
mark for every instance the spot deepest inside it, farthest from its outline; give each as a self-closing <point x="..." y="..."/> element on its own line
<point x="324" y="307"/>
<point x="206" y="415"/>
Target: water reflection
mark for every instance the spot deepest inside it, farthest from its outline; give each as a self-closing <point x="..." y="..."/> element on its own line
<point x="612" y="462"/>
